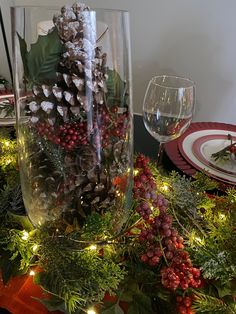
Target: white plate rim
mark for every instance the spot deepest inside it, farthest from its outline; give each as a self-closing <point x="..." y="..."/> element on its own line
<point x="186" y="145"/>
<point x="198" y="150"/>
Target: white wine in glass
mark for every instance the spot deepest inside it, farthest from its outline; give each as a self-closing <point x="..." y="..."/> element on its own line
<point x="168" y="108"/>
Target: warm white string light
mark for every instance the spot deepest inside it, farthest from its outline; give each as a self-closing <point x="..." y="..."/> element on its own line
<point x="92" y="247"/>
<point x="199" y="240"/>
<point x="6" y="143"/>
<point x="165" y="187"/>
<point x="32" y="272"/>
<point x="25" y="235"/>
<point x="222" y="217"/>
<point x="136" y="171"/>
<point x="35" y="248"/>
<point x="91" y="311"/>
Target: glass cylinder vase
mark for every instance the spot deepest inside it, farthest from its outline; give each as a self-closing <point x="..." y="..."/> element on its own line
<point x="74" y="111"/>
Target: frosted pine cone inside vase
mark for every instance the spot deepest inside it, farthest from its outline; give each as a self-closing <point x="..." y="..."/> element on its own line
<point x="78" y="140"/>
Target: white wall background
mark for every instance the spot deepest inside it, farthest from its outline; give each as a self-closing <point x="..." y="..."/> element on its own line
<point x="192" y="38"/>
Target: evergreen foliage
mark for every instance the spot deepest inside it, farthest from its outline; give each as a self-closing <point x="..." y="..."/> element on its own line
<point x="78" y="265"/>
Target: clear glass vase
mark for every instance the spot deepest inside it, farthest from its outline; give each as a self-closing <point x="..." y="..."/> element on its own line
<point x="74" y="111"/>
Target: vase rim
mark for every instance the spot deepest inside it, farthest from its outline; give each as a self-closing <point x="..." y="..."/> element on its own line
<point x="59" y="7"/>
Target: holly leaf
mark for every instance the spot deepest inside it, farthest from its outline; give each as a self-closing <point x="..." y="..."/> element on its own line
<point x="43" y="58"/>
<point x="113" y="309"/>
<point x="53" y="304"/>
<point x="117" y="89"/>
<point x="226" y="290"/>
<point x="6" y="268"/>
<point x="9" y="268"/>
<point x="129" y="291"/>
<point x="141" y="305"/>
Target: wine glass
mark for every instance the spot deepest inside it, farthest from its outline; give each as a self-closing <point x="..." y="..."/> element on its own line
<point x="168" y="108"/>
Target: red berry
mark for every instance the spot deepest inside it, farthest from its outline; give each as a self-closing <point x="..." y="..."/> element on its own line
<point x="150" y="253"/>
<point x="187" y="301"/>
<point x="184" y="285"/>
<point x="144" y="258"/>
<point x="155" y="259"/>
<point x="179" y="299"/>
<point x="114" y="109"/>
<point x="182" y="309"/>
<point x="169" y="255"/>
<point x="196" y="272"/>
<point x="72" y="143"/>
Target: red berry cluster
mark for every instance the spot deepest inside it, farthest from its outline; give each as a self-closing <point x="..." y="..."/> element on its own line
<point x="180" y="273"/>
<point x="184" y="305"/>
<point x="144" y="187"/>
<point x="68" y="135"/>
<point x="72" y="135"/>
<point x="152" y="255"/>
<point x="111" y="125"/>
<point x="159" y="235"/>
<point x="120" y="126"/>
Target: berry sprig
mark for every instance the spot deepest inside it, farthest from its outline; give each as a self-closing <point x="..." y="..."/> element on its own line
<point x="157" y="234"/>
<point x="68" y="135"/>
<point x="180" y="273"/>
<point x="107" y="128"/>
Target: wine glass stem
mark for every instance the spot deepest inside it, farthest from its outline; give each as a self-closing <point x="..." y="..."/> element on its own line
<point x="160" y="153"/>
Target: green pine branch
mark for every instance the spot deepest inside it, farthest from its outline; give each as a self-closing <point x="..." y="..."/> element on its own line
<point x="208" y="304"/>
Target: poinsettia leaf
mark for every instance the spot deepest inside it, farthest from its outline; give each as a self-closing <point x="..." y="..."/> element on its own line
<point x="23" y="51"/>
<point x="43" y="57"/>
<point x="116" y="87"/>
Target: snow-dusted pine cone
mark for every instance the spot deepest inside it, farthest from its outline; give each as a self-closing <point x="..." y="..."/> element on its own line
<point x="83" y="66"/>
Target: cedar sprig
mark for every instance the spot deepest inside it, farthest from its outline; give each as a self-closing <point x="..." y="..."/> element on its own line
<point x="79" y="277"/>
